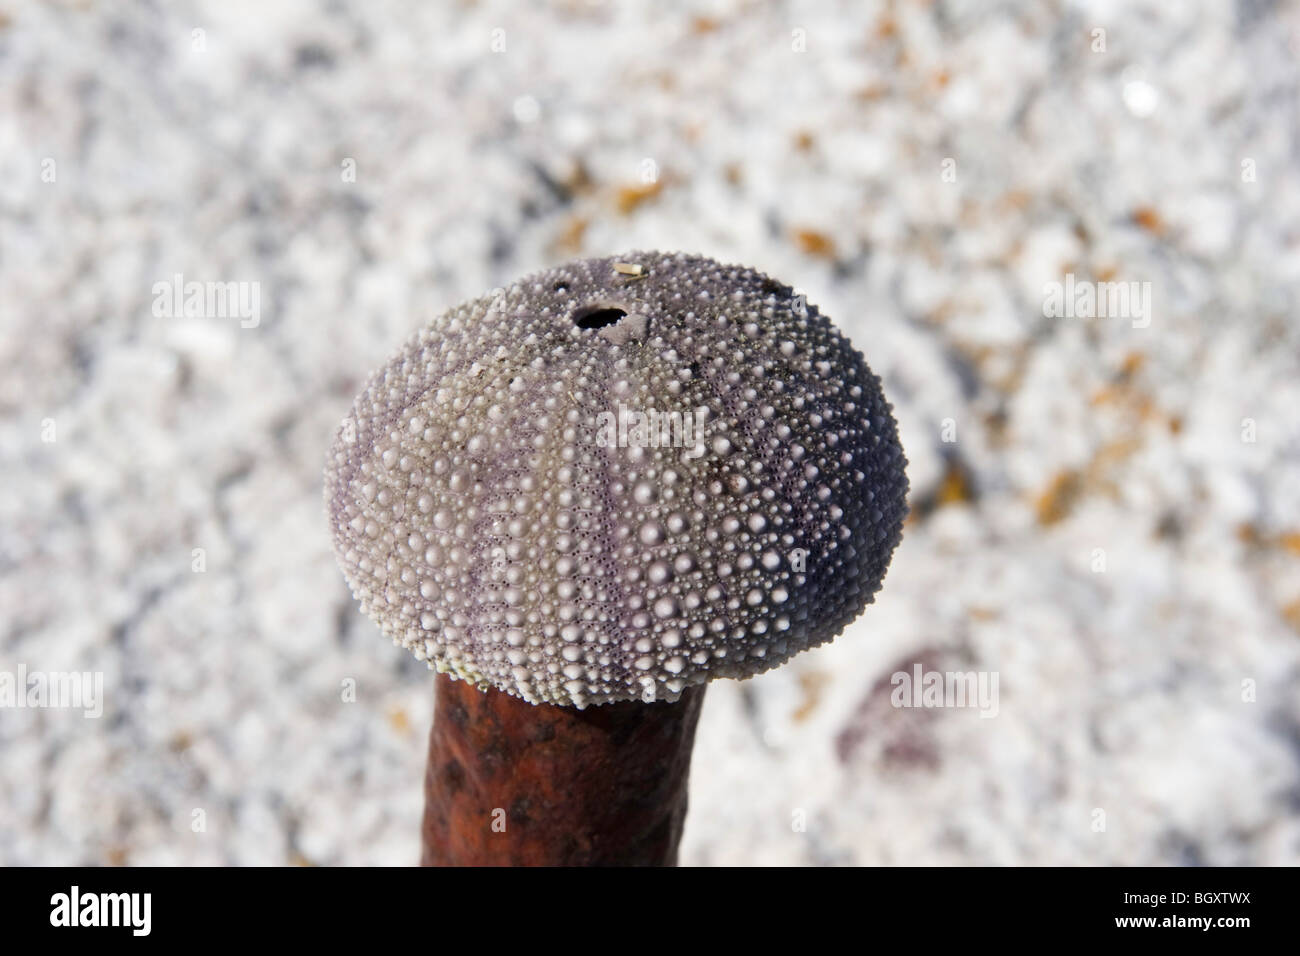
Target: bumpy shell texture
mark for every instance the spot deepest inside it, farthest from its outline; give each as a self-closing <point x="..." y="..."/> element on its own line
<point x="617" y="478"/>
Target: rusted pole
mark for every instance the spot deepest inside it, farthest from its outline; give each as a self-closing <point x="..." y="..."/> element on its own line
<point x="510" y="783"/>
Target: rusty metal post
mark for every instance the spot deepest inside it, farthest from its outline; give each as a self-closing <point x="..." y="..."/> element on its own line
<point x="510" y="783"/>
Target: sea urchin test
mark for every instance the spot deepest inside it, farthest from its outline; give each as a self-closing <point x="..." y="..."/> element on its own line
<point x="616" y="479"/>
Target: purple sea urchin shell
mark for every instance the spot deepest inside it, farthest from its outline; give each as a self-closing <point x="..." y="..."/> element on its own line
<point x="600" y="484"/>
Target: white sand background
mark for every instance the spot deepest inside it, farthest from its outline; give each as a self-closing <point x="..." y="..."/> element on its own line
<point x="1101" y="534"/>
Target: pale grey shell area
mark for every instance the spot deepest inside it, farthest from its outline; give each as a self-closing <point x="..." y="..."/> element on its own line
<point x="490" y="520"/>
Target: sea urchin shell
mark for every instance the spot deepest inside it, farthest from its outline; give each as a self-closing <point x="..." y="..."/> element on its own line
<point x="618" y="478"/>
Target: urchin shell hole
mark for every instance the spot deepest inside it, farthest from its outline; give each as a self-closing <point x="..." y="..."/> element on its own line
<point x="598" y="316"/>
